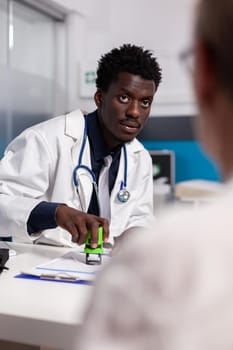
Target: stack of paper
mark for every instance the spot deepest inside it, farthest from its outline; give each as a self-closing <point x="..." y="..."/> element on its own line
<point x="69" y="267"/>
<point x="197" y="189"/>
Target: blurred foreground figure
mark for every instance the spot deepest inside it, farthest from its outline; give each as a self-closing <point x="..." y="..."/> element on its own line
<point x="174" y="290"/>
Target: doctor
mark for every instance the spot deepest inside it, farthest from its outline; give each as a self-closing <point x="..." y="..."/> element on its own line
<point x="50" y="173"/>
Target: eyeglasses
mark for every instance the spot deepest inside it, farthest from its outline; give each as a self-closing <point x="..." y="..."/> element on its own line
<point x="187" y="58"/>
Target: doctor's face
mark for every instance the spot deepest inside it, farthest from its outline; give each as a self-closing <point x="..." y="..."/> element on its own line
<point x="124" y="108"/>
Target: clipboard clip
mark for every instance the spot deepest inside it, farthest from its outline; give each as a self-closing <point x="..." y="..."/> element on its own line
<point x="59" y="277"/>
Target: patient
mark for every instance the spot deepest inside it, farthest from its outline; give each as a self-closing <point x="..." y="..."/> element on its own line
<point x="174" y="290"/>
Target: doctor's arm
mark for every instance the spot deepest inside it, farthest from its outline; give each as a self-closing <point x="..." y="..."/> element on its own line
<point x="48" y="215"/>
<point x="24" y="179"/>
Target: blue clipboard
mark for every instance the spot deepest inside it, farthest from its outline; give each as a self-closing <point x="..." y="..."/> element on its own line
<point x="38" y="278"/>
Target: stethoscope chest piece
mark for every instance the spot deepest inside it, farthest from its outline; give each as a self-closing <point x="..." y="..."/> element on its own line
<point x="123" y="195"/>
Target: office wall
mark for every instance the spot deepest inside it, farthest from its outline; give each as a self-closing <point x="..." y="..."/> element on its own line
<point x="177" y="134"/>
<point x="81" y="7"/>
<point x="94" y="27"/>
<point x="163" y="26"/>
<point x="32" y="68"/>
<point x="190" y="160"/>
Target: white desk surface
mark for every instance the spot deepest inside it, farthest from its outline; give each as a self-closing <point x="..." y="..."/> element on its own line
<point x="40" y="312"/>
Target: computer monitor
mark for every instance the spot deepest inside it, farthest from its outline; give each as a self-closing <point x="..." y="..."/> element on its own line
<point x="164" y="168"/>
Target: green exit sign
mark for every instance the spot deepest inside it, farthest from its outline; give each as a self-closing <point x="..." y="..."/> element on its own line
<point x="90" y="77"/>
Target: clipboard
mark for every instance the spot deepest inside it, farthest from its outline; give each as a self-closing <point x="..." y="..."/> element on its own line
<point x="69" y="268"/>
<point x="38" y="278"/>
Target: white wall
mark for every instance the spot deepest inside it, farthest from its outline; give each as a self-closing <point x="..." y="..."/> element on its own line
<point x="83" y="7"/>
<point x="163" y="26"/>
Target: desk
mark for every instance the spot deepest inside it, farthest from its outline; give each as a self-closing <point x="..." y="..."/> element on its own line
<point x="40" y="312"/>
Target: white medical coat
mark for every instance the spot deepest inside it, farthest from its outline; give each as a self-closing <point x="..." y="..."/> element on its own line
<point x="38" y="166"/>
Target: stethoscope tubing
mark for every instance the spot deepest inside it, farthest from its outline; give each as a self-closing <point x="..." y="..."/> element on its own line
<point x="79" y="166"/>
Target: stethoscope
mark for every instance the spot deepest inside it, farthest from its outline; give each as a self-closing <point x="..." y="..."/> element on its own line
<point x="122" y="195"/>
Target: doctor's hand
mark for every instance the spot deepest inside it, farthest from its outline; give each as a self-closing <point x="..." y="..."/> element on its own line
<point x="77" y="223"/>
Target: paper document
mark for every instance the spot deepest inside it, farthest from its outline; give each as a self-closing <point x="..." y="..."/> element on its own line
<point x="71" y="265"/>
<point x="198" y="189"/>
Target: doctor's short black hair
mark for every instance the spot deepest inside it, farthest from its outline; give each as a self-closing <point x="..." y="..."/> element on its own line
<point x="127" y="58"/>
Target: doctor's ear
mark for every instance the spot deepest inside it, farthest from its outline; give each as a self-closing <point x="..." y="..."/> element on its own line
<point x="98" y="98"/>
